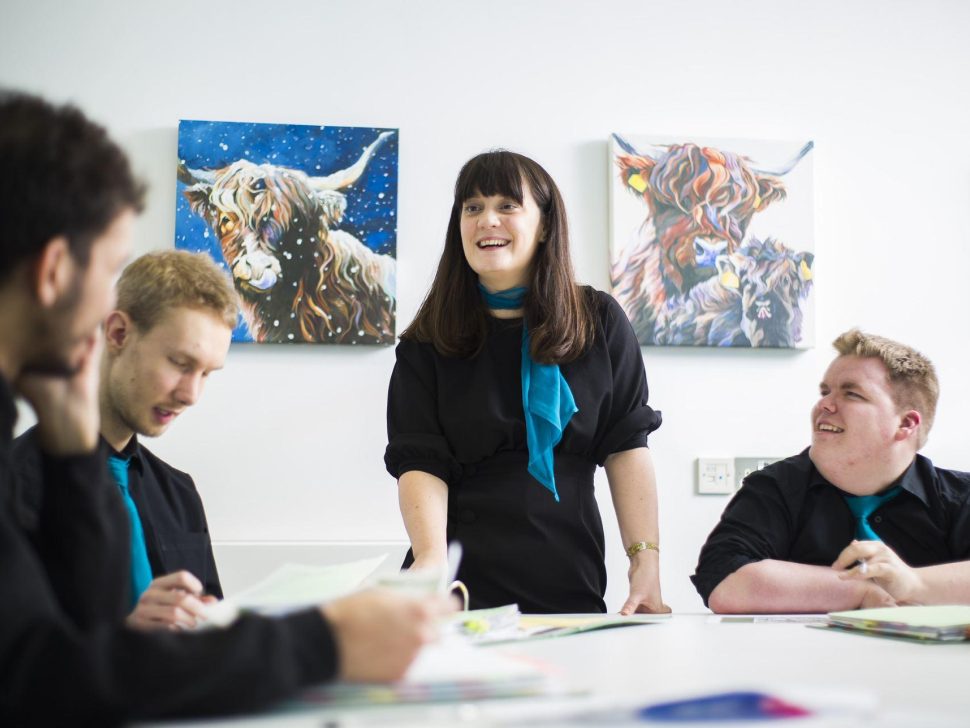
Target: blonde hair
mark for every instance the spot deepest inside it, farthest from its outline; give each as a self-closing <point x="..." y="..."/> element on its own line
<point x="911" y="375"/>
<point x="159" y="281"/>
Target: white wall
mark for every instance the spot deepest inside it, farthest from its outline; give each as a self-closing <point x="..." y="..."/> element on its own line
<point x="287" y="443"/>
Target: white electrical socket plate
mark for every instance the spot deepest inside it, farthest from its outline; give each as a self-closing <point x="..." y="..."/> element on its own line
<point x="715" y="476"/>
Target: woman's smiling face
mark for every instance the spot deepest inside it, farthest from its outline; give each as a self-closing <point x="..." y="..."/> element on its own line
<point x="500" y="236"/>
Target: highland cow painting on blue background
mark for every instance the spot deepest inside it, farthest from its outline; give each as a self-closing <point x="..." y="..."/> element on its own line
<point x="712" y="241"/>
<point x="304" y="218"/>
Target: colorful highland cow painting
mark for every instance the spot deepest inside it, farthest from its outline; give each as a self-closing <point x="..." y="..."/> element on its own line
<point x="305" y="220"/>
<point x="712" y="241"/>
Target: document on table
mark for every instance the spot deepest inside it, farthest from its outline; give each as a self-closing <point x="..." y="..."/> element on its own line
<point x="942" y="623"/>
<point x="769" y="618"/>
<point x="560" y="625"/>
<point x="299" y="585"/>
<point x="293" y="586"/>
<point x="506" y="624"/>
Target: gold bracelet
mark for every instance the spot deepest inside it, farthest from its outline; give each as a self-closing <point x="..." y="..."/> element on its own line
<point x="642" y="546"/>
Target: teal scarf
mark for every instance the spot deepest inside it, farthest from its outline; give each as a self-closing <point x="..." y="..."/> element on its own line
<point x="547" y="401"/>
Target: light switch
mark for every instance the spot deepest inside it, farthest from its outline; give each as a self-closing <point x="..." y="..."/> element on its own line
<point x="744" y="466"/>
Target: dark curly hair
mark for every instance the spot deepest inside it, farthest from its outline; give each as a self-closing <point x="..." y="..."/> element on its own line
<point x="60" y="174"/>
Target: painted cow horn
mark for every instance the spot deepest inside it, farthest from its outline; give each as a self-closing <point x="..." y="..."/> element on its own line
<point x="195" y="176"/>
<point x="788" y="166"/>
<point x="348" y="176"/>
<point x="654" y="151"/>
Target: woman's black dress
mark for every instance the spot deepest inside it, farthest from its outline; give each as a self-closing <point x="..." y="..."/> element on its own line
<point x="462" y="421"/>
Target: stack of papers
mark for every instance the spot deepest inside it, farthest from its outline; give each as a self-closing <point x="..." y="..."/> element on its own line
<point x="935" y="623"/>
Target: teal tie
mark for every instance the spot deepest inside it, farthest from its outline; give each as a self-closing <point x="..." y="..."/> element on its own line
<point x="863" y="506"/>
<point x="141" y="569"/>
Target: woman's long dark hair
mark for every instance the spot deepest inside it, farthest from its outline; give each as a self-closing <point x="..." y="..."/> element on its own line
<point x="560" y="317"/>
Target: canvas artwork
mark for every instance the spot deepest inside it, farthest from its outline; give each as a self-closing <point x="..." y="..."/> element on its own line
<point x="305" y="220"/>
<point x="712" y="241"/>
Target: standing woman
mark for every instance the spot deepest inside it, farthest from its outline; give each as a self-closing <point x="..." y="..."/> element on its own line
<point x="511" y="384"/>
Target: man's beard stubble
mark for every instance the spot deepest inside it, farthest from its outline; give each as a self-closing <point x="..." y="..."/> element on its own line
<point x="54" y="357"/>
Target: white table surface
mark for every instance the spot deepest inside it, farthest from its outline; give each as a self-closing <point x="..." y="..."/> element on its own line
<point x="882" y="681"/>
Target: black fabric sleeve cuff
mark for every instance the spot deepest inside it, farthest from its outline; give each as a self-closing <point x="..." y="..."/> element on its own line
<point x="432" y="467"/>
<point x="638" y="440"/>
<point x="421" y="451"/>
<point x="638" y="423"/>
<point x="706" y="582"/>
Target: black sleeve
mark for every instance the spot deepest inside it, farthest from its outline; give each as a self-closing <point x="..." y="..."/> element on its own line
<point x="53" y="672"/>
<point x="174" y="521"/>
<point x="756" y="525"/>
<point x="631" y="419"/>
<point x="57" y="675"/>
<point x="415" y="437"/>
<point x="210" y="583"/>
<point x="69" y="506"/>
<point x="202" y="559"/>
<point x="27" y="479"/>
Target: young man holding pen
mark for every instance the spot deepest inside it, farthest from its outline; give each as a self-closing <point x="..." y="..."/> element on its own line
<point x="170" y="330"/>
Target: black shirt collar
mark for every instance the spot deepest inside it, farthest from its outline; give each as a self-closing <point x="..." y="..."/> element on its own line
<point x="909" y="480"/>
<point x="131" y="451"/>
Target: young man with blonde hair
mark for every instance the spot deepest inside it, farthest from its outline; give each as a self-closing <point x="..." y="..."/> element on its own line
<point x="858" y="519"/>
<point x="170" y="330"/>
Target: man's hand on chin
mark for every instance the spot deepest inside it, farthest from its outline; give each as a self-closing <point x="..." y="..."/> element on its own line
<point x="67" y="405"/>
